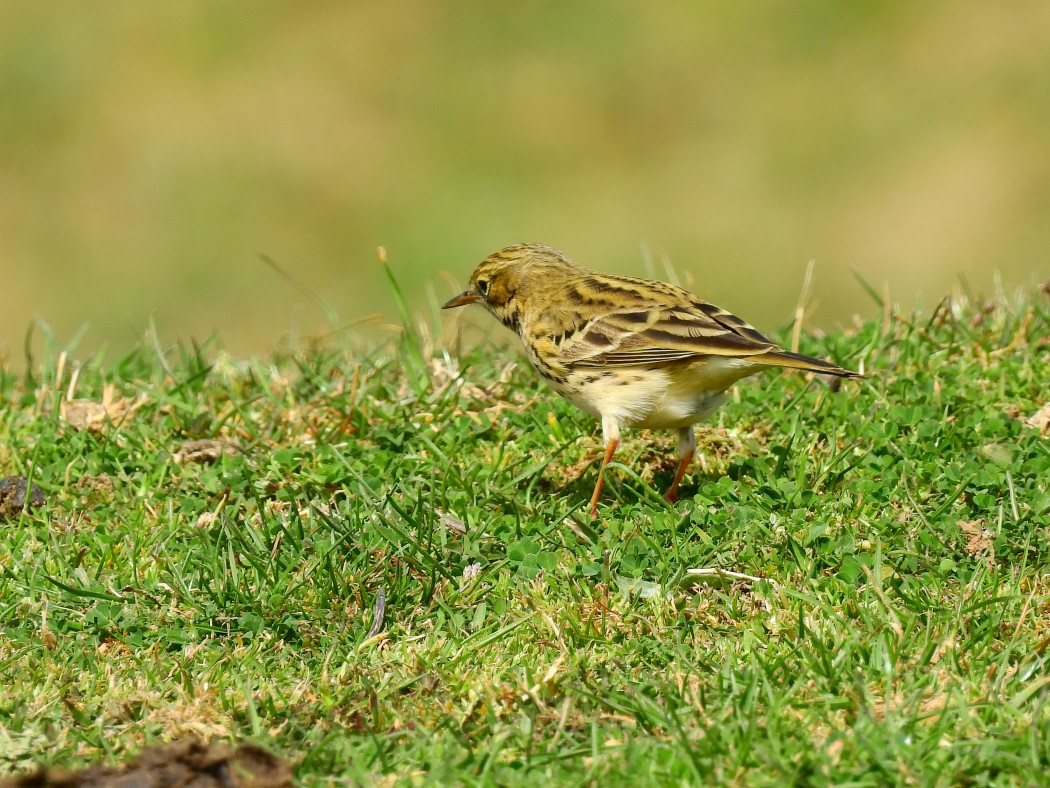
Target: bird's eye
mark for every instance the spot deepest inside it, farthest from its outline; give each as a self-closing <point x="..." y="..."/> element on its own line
<point x="483" y="287"/>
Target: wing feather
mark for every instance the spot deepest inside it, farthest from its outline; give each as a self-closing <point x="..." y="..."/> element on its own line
<point x="641" y="323"/>
<point x="672" y="333"/>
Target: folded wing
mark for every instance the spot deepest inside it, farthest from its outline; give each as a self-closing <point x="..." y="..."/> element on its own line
<point x="691" y="329"/>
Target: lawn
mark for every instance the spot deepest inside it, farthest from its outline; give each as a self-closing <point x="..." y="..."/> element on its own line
<point x="379" y="565"/>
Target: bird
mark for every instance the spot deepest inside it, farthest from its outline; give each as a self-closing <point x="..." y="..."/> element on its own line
<point x="635" y="353"/>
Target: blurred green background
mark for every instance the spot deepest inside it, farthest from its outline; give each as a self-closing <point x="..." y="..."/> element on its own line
<point x="150" y="151"/>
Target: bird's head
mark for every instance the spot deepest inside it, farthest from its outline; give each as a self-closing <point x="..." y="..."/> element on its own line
<point x="508" y="279"/>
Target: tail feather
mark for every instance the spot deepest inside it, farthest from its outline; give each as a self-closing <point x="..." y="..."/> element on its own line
<point x="784" y="358"/>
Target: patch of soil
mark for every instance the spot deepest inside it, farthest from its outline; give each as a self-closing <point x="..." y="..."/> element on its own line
<point x="189" y="763"/>
<point x="13" y="492"/>
<point x="205" y="451"/>
<point x="95" y="489"/>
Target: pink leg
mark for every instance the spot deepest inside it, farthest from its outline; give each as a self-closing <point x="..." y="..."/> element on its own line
<point x="686" y="450"/>
<point x="610" y="449"/>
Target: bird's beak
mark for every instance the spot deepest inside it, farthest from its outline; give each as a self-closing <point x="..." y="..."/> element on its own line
<point x="464" y="298"/>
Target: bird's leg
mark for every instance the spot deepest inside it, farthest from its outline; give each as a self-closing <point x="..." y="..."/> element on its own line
<point x="611" y="433"/>
<point x="686" y="450"/>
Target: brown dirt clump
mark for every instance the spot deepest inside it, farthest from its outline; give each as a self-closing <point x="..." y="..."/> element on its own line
<point x="189" y="763"/>
<point x="14" y="490"/>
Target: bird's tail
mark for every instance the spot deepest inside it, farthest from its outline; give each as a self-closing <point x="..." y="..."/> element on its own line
<point x="784" y="358"/>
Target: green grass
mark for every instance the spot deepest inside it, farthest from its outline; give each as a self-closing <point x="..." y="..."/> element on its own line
<point x="899" y="528"/>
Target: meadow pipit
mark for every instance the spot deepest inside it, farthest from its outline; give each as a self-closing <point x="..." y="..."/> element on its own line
<point x="633" y="352"/>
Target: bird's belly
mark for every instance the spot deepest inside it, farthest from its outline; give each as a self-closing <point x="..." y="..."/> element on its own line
<point x="654" y="398"/>
<point x="680" y="409"/>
